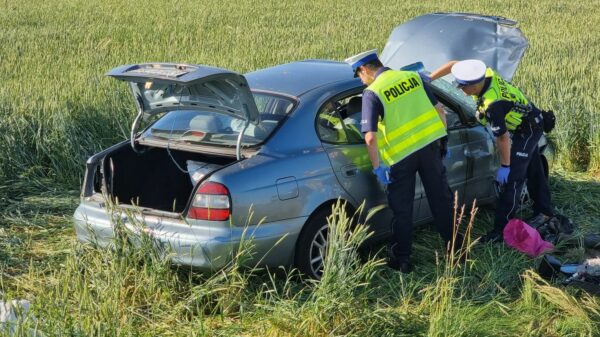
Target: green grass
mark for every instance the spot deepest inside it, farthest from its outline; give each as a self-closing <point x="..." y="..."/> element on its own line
<point x="77" y="290"/>
<point x="57" y="108"/>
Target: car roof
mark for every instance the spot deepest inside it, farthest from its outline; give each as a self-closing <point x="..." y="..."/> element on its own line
<point x="299" y="77"/>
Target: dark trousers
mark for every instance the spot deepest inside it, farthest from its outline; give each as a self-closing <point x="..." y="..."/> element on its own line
<point x="525" y="166"/>
<point x="401" y="194"/>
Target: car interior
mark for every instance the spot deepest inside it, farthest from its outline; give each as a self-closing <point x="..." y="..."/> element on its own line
<point x="338" y="121"/>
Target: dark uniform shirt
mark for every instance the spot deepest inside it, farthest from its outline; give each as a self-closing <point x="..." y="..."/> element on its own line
<point x="496" y="112"/>
<point x="372" y="108"/>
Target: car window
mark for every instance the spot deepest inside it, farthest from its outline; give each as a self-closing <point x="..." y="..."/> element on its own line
<point x="456" y="95"/>
<point x="338" y="121"/>
<point x="452" y="118"/>
<point x="210" y="127"/>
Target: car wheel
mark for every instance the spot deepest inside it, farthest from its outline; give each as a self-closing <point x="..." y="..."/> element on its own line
<point x="312" y="245"/>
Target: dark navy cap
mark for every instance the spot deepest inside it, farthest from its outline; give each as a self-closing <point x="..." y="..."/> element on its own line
<point x="360" y="59"/>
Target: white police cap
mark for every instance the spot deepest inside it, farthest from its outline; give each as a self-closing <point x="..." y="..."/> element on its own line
<point x="360" y="59"/>
<point x="468" y="72"/>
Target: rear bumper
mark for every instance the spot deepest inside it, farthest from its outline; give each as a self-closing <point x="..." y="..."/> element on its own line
<point x="205" y="245"/>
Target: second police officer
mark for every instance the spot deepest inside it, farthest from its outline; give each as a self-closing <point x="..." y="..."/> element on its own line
<point x="517" y="125"/>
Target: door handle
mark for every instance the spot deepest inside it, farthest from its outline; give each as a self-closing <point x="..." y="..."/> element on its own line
<point x="476" y="153"/>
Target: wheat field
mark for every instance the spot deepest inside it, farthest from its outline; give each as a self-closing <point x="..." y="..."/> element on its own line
<point x="57" y="108"/>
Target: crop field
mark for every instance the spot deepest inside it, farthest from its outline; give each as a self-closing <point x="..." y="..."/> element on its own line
<point x="57" y="108"/>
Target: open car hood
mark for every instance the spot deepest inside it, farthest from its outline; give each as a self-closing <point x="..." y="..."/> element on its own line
<point x="161" y="87"/>
<point x="437" y="38"/>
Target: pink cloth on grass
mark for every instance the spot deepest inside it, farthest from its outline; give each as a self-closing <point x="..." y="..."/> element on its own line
<point x="524" y="238"/>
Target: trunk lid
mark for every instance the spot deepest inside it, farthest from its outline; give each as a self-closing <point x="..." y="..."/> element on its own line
<point x="437" y="38"/>
<point x="162" y="87"/>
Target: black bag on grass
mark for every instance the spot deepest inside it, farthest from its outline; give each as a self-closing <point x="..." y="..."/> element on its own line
<point x="549" y="120"/>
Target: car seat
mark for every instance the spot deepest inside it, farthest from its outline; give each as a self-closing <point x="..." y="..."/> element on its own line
<point x="353" y="117"/>
<point x="354" y="106"/>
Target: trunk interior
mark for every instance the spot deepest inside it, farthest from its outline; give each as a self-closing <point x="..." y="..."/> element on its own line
<point x="152" y="179"/>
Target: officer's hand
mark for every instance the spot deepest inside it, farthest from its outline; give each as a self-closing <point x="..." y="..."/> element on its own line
<point x="502" y="175"/>
<point x="383" y="174"/>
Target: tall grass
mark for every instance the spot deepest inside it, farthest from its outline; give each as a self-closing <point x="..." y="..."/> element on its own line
<point x="132" y="289"/>
<point x="57" y="108"/>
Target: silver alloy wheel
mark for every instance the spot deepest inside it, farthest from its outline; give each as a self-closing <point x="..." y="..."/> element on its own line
<point x="317" y="251"/>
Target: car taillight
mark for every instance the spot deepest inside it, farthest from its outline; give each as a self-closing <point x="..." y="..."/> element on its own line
<point x="211" y="202"/>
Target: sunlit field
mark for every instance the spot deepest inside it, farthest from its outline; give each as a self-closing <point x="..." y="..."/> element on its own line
<point x="57" y="108"/>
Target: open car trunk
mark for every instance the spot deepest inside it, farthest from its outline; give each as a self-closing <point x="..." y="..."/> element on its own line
<point x="151" y="179"/>
<point x="162" y="179"/>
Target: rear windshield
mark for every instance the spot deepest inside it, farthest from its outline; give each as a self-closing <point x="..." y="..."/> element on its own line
<point x="209" y="127"/>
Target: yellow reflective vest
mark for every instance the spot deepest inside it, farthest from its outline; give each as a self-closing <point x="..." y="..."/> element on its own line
<point x="410" y="122"/>
<point x="500" y="89"/>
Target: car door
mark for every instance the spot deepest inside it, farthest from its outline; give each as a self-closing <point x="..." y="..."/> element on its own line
<point x="456" y="163"/>
<point x="482" y="163"/>
<point x="338" y="127"/>
<point x="476" y="153"/>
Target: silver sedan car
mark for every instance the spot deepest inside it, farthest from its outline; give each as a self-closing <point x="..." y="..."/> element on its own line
<point x="215" y="156"/>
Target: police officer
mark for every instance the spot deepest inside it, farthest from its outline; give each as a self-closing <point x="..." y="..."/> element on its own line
<point x="402" y="123"/>
<point x="517" y="125"/>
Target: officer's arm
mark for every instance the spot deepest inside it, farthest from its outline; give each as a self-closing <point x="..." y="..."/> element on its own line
<point x="442" y="113"/>
<point x="496" y="113"/>
<point x="442" y="71"/>
<point x="435" y="103"/>
<point x="371" y="141"/>
<point x="503" y="144"/>
<point x="371" y="108"/>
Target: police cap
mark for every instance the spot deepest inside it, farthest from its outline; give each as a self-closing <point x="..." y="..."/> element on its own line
<point x="360" y="59"/>
<point x="468" y="72"/>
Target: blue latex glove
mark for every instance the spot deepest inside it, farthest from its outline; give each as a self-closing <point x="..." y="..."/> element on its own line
<point x="502" y="175"/>
<point x="383" y="174"/>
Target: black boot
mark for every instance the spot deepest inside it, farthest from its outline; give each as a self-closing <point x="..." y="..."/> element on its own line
<point x="395" y="262"/>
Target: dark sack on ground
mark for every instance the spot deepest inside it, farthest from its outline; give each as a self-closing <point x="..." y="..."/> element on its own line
<point x="549" y="120"/>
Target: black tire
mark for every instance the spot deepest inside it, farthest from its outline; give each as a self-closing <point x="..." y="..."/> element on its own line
<point x="311" y="245"/>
